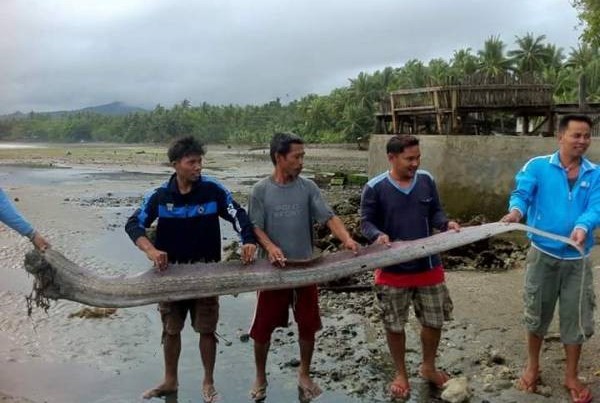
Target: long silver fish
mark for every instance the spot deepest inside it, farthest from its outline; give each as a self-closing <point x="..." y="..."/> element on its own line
<point x="59" y="278"/>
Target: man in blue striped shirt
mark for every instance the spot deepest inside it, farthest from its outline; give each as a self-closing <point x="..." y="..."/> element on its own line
<point x="188" y="207"/>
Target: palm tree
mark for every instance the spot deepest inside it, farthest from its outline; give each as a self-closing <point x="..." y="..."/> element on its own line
<point x="463" y="63"/>
<point x="413" y="74"/>
<point x="531" y="55"/>
<point x="555" y="56"/>
<point x="439" y="72"/>
<point x="581" y="57"/>
<point x="492" y="61"/>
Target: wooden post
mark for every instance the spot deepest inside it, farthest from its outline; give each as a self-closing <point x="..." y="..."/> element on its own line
<point x="438" y="117"/>
<point x="551" y="123"/>
<point x="525" y="125"/>
<point x="454" y="107"/>
<point x="394" y="122"/>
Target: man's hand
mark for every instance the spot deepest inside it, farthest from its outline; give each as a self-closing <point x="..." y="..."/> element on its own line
<point x="276" y="256"/>
<point x="453" y="226"/>
<point x="351" y="244"/>
<point x="40" y="242"/>
<point x="383" y="239"/>
<point x="513" y="216"/>
<point x="248" y="252"/>
<point x="159" y="258"/>
<point x="578" y="235"/>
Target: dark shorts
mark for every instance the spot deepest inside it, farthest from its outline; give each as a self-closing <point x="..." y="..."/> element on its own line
<point x="432" y="306"/>
<point x="272" y="311"/>
<point x="204" y="313"/>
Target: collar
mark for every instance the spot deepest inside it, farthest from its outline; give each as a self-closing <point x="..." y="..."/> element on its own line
<point x="173" y="188"/>
<point x="586" y="165"/>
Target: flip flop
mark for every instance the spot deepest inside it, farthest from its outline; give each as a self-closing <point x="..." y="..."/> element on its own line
<point x="527" y="386"/>
<point x="399" y="391"/>
<point x="158" y="392"/>
<point x="259" y="393"/>
<point x="581" y="395"/>
<point x="441" y="378"/>
<point x="309" y="393"/>
<point x="210" y="394"/>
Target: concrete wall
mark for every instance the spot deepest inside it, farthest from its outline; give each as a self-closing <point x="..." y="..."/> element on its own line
<point x="474" y="174"/>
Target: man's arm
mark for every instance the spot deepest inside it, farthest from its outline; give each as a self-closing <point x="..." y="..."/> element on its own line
<point x="368" y="217"/>
<point x="590" y="218"/>
<point x="231" y="211"/>
<point x="274" y="252"/>
<point x="522" y="195"/>
<point x="136" y="226"/>
<point x="10" y="216"/>
<point x="338" y="229"/>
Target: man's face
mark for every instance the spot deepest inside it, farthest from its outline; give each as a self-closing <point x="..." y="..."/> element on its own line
<point x="291" y="163"/>
<point x="405" y="164"/>
<point x="575" y="139"/>
<point x="189" y="167"/>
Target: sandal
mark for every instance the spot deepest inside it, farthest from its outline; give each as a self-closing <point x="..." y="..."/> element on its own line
<point x="259" y="393"/>
<point x="581" y="395"/>
<point x="209" y="394"/>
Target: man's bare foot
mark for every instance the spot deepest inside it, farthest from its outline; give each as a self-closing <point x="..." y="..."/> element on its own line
<point x="434" y="376"/>
<point x="578" y="391"/>
<point x="209" y="393"/>
<point x="400" y="388"/>
<point x="529" y="380"/>
<point x="307" y="388"/>
<point x="164" y="389"/>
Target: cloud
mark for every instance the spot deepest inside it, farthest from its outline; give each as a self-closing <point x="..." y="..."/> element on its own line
<point x="71" y="54"/>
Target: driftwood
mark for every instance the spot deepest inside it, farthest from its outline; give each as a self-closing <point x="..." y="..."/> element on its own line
<point x="57" y="277"/>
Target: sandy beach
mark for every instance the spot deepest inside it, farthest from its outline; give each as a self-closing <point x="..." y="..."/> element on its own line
<point x="80" y="196"/>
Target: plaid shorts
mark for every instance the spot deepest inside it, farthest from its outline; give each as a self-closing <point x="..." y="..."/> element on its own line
<point x="432" y="306"/>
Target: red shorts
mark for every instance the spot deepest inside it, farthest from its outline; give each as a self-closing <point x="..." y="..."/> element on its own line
<point x="272" y="310"/>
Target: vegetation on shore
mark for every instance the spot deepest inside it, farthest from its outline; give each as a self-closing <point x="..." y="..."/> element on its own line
<point x="345" y="114"/>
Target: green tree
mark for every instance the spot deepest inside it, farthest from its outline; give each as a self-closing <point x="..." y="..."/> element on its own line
<point x="531" y="56"/>
<point x="492" y="60"/>
<point x="589" y="15"/>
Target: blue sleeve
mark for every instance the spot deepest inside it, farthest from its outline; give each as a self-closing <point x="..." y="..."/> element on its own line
<point x="368" y="214"/>
<point x="590" y="218"/>
<point x="143" y="217"/>
<point x="10" y="216"/>
<point x="438" y="216"/>
<point x="525" y="189"/>
<point x="231" y="211"/>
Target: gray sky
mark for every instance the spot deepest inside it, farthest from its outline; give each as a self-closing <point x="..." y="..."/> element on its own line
<point x="68" y="54"/>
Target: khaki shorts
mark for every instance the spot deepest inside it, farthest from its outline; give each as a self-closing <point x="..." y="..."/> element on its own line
<point x="549" y="279"/>
<point x="204" y="313"/>
<point x="432" y="306"/>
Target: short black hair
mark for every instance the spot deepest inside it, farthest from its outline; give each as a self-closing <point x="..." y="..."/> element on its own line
<point x="281" y="143"/>
<point x="564" y="121"/>
<point x="399" y="142"/>
<point x="184" y="147"/>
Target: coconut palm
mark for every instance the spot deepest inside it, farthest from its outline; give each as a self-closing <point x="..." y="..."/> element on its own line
<point x="492" y="61"/>
<point x="463" y="63"/>
<point x="531" y="55"/>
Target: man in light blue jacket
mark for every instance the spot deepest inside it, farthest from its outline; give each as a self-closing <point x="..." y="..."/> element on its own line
<point x="559" y="193"/>
<point x="10" y="216"/>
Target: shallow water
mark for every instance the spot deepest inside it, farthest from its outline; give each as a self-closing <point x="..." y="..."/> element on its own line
<point x="111" y="360"/>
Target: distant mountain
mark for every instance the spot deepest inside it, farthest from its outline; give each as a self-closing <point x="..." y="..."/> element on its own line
<point x="111" y="109"/>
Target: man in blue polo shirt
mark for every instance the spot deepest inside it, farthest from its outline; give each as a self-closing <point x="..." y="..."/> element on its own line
<point x="559" y="193"/>
<point x="399" y="205"/>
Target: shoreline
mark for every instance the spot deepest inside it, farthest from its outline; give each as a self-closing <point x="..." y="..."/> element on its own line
<point x="485" y="342"/>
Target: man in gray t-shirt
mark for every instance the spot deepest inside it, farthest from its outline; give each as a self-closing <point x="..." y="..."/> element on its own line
<point x="283" y="208"/>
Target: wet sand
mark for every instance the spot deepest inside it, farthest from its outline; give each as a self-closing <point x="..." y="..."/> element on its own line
<point x="82" y="209"/>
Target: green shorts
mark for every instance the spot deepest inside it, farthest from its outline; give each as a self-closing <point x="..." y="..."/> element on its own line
<point x="549" y="279"/>
<point x="432" y="305"/>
